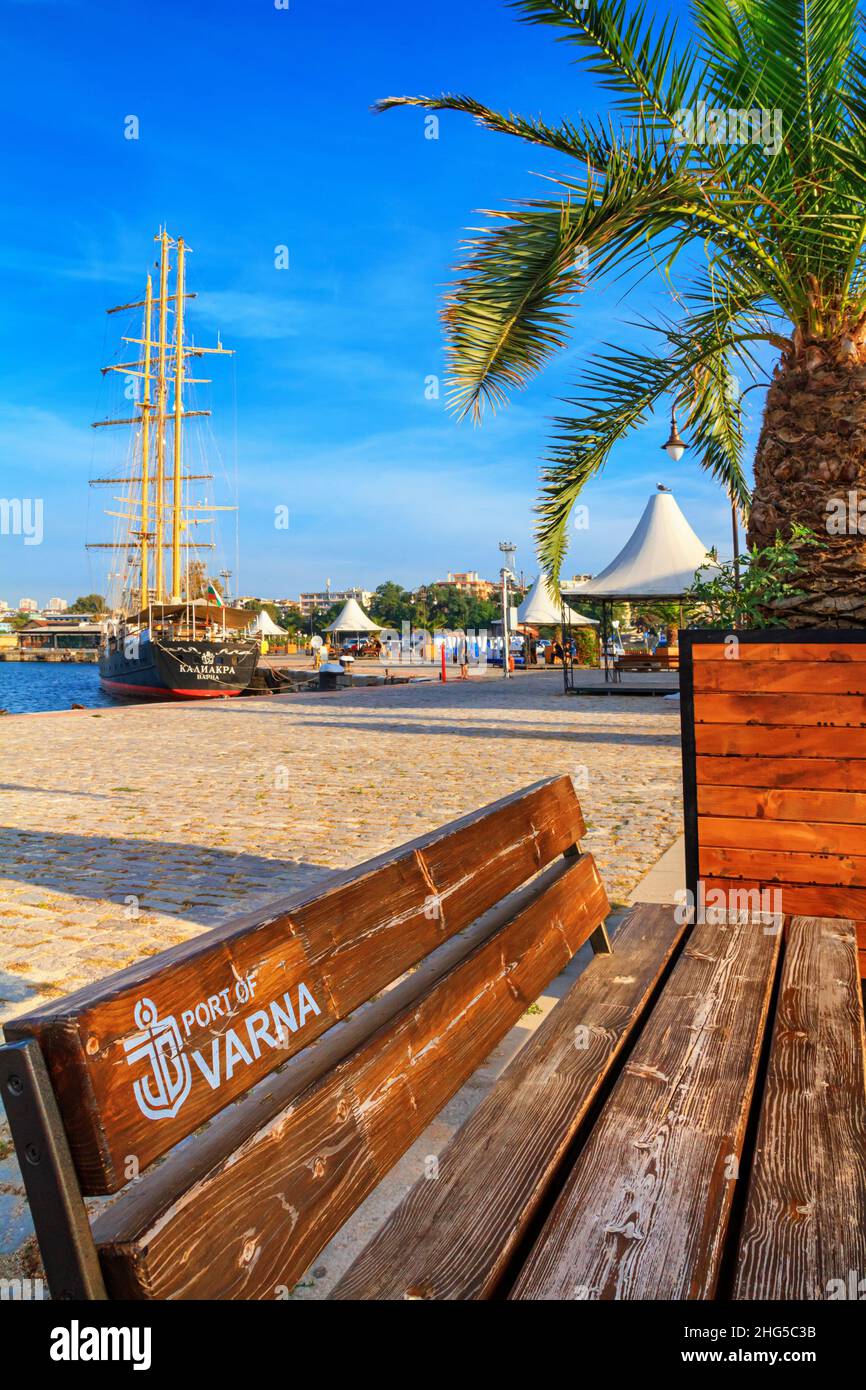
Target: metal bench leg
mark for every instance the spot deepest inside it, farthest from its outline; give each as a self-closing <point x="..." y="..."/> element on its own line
<point x="600" y="941"/>
<point x="59" y="1215"/>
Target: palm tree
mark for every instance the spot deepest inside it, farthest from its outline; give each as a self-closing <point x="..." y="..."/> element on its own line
<point x="744" y="142"/>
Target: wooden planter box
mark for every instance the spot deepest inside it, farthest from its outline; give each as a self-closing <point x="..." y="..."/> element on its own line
<point x="774" y="769"/>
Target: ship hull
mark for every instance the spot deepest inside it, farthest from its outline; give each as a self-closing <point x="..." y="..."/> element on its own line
<point x="177" y="669"/>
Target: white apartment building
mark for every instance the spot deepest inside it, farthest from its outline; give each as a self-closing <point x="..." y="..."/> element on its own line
<point x="315" y="601"/>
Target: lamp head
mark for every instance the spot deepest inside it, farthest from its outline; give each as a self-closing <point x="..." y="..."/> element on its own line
<point x="674" y="446"/>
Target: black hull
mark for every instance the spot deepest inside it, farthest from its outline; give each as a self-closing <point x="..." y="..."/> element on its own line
<point x="177" y="669"/>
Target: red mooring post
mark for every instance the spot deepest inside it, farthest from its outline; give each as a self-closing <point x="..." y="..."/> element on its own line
<point x="444" y="676"/>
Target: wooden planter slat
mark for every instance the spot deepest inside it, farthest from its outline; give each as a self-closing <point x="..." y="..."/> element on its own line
<point x="745" y="740"/>
<point x="807" y="774"/>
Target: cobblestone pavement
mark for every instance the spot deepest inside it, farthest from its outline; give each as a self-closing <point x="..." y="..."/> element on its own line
<point x="124" y="831"/>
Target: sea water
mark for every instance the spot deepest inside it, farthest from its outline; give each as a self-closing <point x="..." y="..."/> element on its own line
<point x="28" y="686"/>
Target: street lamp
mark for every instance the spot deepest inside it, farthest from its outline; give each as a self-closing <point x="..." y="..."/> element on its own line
<point x="509" y="551"/>
<point x="225" y="576"/>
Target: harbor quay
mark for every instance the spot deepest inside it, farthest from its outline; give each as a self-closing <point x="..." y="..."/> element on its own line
<point x="128" y="830"/>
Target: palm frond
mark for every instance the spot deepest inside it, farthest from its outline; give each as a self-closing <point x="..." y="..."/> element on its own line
<point x="645" y="67"/>
<point x="616" y="393"/>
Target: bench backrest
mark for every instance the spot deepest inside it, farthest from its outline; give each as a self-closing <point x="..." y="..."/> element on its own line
<point x="774" y="769"/>
<point x="142" y="1060"/>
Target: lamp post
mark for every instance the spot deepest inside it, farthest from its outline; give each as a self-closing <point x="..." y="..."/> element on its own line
<point x="509" y="551"/>
<point x="225" y="576"/>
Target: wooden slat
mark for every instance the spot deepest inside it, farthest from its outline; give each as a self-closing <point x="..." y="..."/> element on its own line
<point x="342" y="945"/>
<point x="835" y="711"/>
<point x="645" y="1211"/>
<point x="802" y="899"/>
<point x="819" y="774"/>
<point x="804" y="1232"/>
<point x="799" y="677"/>
<point x="784" y="804"/>
<point x="452" y="1238"/>
<point x="761" y="653"/>
<point x="750" y="740"/>
<point x="242" y="1210"/>
<point x="779" y="866"/>
<point x="787" y="835"/>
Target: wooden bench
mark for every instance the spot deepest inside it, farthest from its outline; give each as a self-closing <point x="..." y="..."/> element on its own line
<point x="659" y="660"/>
<point x="669" y="1131"/>
<point x="339" y="1024"/>
<point x="649" y="1206"/>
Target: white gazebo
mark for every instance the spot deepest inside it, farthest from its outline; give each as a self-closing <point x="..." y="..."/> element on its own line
<point x="352" y="618"/>
<point x="658" y="561"/>
<point x="541" y="609"/>
<point x="264" y="626"/>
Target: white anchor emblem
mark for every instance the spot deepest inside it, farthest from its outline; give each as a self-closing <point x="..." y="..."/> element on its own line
<point x="160" y="1094"/>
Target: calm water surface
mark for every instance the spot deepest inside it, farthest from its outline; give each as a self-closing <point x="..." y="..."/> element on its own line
<point x="27" y="686"/>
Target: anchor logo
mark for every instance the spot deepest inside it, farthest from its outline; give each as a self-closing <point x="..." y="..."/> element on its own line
<point x="161" y="1093"/>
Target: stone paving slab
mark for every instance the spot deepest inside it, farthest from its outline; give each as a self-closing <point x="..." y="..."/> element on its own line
<point x="124" y="831"/>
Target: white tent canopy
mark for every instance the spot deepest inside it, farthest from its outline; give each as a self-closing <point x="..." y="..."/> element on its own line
<point x="658" y="560"/>
<point x="541" y="608"/>
<point x="353" y="619"/>
<point x="264" y="626"/>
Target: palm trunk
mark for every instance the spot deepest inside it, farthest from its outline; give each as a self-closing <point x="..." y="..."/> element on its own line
<point x="810" y="468"/>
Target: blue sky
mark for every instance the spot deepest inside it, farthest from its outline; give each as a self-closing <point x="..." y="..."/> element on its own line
<point x="255" y="132"/>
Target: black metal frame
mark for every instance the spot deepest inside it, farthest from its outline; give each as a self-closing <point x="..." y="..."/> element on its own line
<point x="689" y="638"/>
<point x="604" y="632"/>
<point x="56" y="1204"/>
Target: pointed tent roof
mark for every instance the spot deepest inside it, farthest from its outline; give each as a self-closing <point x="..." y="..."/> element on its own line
<point x="264" y="626"/>
<point x="658" y="560"/>
<point x="541" y="607"/>
<point x="353" y="619"/>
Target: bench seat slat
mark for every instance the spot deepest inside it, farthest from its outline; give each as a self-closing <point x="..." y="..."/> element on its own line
<point x="804" y="1231"/>
<point x="645" y="1211"/>
<point x="255" y="1219"/>
<point x="343" y="944"/>
<point x="452" y="1238"/>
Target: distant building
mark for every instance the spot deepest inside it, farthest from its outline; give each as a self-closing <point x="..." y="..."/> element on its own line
<point x="317" y="601"/>
<point x="56" y="605"/>
<point x="28" y="605"/>
<point x="4" y="606"/>
<point x="249" y="600"/>
<point x="42" y="636"/>
<point x="69" y="620"/>
<point x="470" y="582"/>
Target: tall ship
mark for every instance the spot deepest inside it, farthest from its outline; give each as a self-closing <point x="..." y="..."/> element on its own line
<point x="172" y="635"/>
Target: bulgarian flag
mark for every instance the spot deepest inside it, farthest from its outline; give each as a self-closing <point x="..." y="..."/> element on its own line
<point x="214" y="593"/>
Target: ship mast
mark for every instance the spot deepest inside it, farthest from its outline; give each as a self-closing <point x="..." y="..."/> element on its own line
<point x="169" y="520"/>
<point x="161" y="390"/>
<point x="176" y="518"/>
<point x="144" y="593"/>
